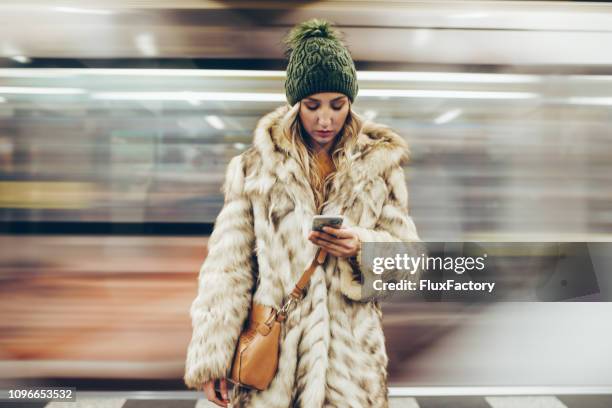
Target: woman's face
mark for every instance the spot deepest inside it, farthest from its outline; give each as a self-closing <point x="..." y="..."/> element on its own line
<point x="323" y="115"/>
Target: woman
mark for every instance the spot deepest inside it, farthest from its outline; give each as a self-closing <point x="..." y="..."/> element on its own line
<point x="309" y="157"/>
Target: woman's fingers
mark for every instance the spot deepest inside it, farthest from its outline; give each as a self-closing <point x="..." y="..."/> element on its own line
<point x="211" y="395"/>
<point x="340" y="247"/>
<point x="317" y="238"/>
<point x="332" y="248"/>
<point x="341" y="232"/>
<point x="223" y="387"/>
<point x="333" y="240"/>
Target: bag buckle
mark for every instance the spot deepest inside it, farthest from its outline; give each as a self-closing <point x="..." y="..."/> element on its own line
<point x="289" y="305"/>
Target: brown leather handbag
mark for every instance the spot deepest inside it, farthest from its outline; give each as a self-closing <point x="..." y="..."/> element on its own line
<point x="256" y="357"/>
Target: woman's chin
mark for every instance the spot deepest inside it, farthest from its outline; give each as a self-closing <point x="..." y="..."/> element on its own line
<point x="324" y="139"/>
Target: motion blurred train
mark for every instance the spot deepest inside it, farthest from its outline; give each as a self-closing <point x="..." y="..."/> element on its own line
<point x="117" y="121"/>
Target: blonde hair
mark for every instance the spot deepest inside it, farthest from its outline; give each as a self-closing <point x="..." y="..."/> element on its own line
<point x="301" y="149"/>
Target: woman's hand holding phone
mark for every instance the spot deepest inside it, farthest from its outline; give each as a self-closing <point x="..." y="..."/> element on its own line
<point x="342" y="242"/>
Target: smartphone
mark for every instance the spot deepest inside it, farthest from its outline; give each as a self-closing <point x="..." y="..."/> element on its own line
<point x="320" y="221"/>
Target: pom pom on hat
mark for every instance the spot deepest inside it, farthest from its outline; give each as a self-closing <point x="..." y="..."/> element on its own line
<point x="309" y="29"/>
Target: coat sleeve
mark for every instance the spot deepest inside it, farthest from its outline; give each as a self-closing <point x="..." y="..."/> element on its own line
<point x="394" y="225"/>
<point x="224" y="286"/>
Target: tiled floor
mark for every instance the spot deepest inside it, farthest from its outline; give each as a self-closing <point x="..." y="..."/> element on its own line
<point x="561" y="401"/>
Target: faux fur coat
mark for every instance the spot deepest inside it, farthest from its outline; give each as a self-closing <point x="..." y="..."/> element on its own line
<point x="332" y="350"/>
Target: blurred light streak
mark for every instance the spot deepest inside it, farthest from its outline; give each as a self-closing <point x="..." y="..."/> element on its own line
<point x="370" y="114"/>
<point x="187" y="96"/>
<point x="22" y="59"/>
<point x="215" y="121"/>
<point x="236" y="73"/>
<point x="32" y="90"/>
<point x="146" y="44"/>
<point x="579" y="100"/>
<point x="447" y="116"/>
<point x="469" y="15"/>
<point x="446" y="77"/>
<point x="82" y="10"/>
<point x="405" y="93"/>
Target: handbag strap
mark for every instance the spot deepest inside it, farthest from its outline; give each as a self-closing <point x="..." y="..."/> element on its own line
<point x="298" y="290"/>
<point x="319" y="258"/>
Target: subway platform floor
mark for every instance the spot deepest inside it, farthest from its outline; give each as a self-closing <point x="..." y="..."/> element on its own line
<point x="190" y="399"/>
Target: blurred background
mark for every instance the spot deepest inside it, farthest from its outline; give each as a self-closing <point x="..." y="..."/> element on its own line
<point x="118" y="118"/>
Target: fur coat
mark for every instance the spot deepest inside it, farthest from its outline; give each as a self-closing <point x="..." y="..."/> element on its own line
<point x="332" y="345"/>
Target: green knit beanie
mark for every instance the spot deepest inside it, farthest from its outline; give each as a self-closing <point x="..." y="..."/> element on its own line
<point x="318" y="62"/>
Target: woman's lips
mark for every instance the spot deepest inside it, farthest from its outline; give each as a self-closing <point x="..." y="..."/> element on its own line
<point x="324" y="133"/>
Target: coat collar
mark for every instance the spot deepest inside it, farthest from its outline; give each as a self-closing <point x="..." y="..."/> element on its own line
<point x="378" y="149"/>
<point x="378" y="144"/>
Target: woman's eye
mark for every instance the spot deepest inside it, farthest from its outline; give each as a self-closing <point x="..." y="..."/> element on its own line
<point x="337" y="107"/>
<point x="311" y="107"/>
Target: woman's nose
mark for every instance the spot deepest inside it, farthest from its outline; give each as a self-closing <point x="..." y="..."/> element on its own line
<point x="324" y="121"/>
